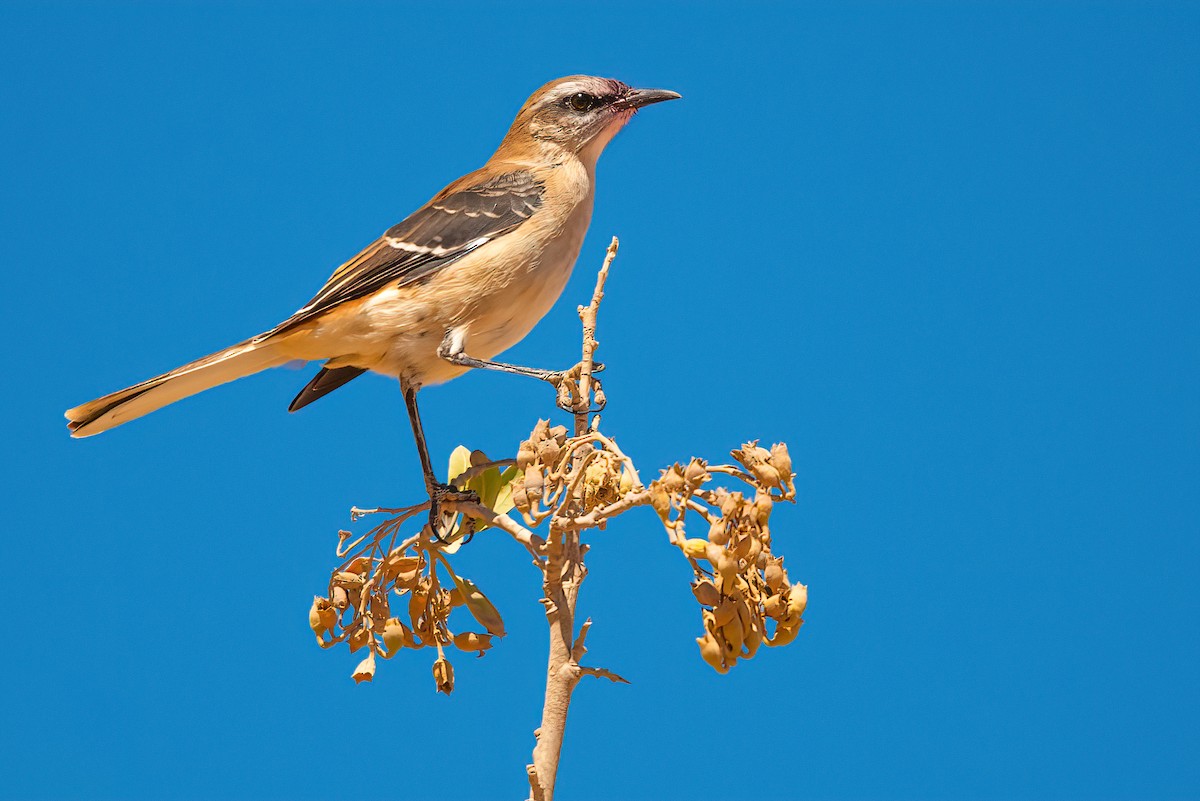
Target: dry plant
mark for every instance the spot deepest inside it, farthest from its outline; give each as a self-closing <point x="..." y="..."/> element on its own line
<point x="394" y="592"/>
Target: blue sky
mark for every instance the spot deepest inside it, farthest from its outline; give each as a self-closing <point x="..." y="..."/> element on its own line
<point x="949" y="253"/>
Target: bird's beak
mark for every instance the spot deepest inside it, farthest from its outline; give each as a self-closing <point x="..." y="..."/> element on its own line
<point x="636" y="98"/>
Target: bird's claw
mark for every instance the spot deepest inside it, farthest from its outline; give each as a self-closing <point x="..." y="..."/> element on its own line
<point x="439" y="494"/>
<point x="567" y="384"/>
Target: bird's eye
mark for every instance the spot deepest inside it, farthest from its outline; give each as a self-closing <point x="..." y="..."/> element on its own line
<point x="582" y="101"/>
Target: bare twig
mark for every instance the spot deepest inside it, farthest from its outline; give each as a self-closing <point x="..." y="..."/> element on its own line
<point x="479" y="469"/>
<point x="564" y="571"/>
<point x="602" y="673"/>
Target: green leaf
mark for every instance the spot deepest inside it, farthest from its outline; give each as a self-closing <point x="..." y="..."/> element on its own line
<point x="460" y="460"/>
<point x="504" y="502"/>
<point x="493" y="486"/>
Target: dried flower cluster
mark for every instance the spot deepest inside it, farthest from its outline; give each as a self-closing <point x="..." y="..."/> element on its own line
<point x="552" y="478"/>
<point x="744" y="584"/>
<point x="365" y="591"/>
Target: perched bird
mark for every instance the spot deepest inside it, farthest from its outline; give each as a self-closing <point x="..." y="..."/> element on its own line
<point x="463" y="278"/>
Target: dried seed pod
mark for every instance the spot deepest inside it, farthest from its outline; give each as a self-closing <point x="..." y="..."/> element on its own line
<point x="761" y="509"/>
<point x="695" y="474"/>
<point x="338" y="598"/>
<point x="443" y="675"/>
<point x="730" y="504"/>
<point x="712" y="653"/>
<point x="706" y="592"/>
<point x="797" y="600"/>
<point x="520" y="497"/>
<point x="751" y="454"/>
<point x="785" y="632"/>
<point x="321" y="617"/>
<point x="359" y="638"/>
<point x="559" y="433"/>
<point x="660" y="500"/>
<point x="754" y="638"/>
<point x="695" y="548"/>
<point x="781" y="459"/>
<point x="526" y="455"/>
<point x="766" y="474"/>
<point x="726" y="610"/>
<point x="718" y="532"/>
<point x="774" y="576"/>
<point x="727" y="566"/>
<point x="775" y="606"/>
<point x="753" y="550"/>
<point x="596" y="474"/>
<point x="626" y="484"/>
<point x="713" y="553"/>
<point x="540" y="432"/>
<point x="734" y="635"/>
<point x="745" y="614"/>
<point x="348" y="580"/>
<point x="365" y="670"/>
<point x="672" y="480"/>
<point x="395" y="635"/>
<point x="548" y="452"/>
<point x="472" y="642"/>
<point x="534" y="483"/>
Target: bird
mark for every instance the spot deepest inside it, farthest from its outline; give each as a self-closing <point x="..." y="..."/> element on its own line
<point x="460" y="280"/>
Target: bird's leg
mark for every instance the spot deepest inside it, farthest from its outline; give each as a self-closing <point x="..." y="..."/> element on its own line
<point x="452" y="350"/>
<point x="437" y="491"/>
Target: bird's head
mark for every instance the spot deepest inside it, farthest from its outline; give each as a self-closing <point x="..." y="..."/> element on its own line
<point x="579" y="113"/>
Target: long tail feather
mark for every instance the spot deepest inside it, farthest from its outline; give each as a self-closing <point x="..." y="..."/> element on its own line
<point x="324" y="382"/>
<point x="128" y="404"/>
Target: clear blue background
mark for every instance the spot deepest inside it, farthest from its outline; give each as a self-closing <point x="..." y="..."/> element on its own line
<point x="949" y="254"/>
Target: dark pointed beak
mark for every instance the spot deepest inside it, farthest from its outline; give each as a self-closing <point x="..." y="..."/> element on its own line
<point x="636" y="98"/>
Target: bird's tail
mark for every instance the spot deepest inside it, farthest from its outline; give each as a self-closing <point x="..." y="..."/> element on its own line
<point x="242" y="359"/>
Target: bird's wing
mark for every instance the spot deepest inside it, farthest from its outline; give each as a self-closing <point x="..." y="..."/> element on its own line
<point x="464" y="216"/>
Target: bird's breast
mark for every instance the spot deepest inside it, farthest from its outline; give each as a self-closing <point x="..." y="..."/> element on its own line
<point x="520" y="289"/>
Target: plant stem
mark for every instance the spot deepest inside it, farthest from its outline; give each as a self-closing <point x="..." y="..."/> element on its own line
<point x="564" y="571"/>
<point x="562" y="672"/>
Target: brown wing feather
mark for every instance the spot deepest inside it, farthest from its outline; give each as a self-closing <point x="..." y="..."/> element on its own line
<point x="470" y="212"/>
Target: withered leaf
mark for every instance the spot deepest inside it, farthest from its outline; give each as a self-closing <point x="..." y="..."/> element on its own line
<point x="479" y="606"/>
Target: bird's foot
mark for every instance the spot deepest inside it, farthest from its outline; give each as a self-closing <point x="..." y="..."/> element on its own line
<point x="441" y="519"/>
<point x="570" y="396"/>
